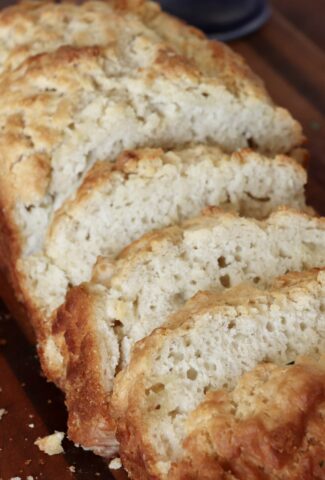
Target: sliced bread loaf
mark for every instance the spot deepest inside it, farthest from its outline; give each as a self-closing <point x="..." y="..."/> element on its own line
<point x="62" y="111"/>
<point x="97" y="327"/>
<point x="147" y="189"/>
<point x="208" y="345"/>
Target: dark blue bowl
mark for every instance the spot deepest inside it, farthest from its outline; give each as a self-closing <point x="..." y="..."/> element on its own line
<point x="223" y="19"/>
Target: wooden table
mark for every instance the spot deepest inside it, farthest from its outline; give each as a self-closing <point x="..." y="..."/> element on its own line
<point x="288" y="54"/>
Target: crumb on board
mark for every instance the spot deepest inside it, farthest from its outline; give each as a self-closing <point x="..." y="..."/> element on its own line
<point x="3" y="412"/>
<point x="72" y="468"/>
<point x="51" y="445"/>
<point x="31" y="425"/>
<point x="115" y="464"/>
<point x="30" y="477"/>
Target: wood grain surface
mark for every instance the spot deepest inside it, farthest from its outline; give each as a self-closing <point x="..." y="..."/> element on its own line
<point x="288" y="53"/>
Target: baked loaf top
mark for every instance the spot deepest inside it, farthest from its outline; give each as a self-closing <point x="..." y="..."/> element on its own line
<point x="147" y="189"/>
<point x="271" y="426"/>
<point x="95" y="330"/>
<point x="33" y="27"/>
<point x="62" y="111"/>
<point x="207" y="346"/>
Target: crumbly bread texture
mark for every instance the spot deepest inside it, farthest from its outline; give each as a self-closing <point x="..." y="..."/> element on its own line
<point x="62" y="111"/>
<point x="270" y="427"/>
<point x="207" y="346"/>
<point x="100" y="321"/>
<point x="148" y="189"/>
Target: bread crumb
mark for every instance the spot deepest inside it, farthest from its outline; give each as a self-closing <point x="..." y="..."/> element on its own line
<point x="31" y="425"/>
<point x="30" y="477"/>
<point x="72" y="469"/>
<point x="51" y="445"/>
<point x="3" y="412"/>
<point x="115" y="464"/>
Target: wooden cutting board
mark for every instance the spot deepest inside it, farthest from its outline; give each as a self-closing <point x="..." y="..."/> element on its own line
<point x="288" y="54"/>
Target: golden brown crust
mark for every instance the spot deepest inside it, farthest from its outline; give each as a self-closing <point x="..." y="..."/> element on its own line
<point x="215" y="57"/>
<point x="86" y="397"/>
<point x="32" y="27"/>
<point x="280" y="437"/>
<point x="40" y="26"/>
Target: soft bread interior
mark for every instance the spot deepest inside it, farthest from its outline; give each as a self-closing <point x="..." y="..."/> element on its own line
<point x="146" y="190"/>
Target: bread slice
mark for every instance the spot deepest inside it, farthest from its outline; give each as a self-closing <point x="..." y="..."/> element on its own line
<point x="62" y="111"/>
<point x="272" y="423"/>
<point x="207" y="346"/>
<point x="147" y="189"/>
<point x="95" y="330"/>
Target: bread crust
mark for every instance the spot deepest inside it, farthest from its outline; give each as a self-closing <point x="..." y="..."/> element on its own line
<point x="128" y="404"/>
<point x="39" y="102"/>
<point x="282" y="436"/>
<point x="87" y="399"/>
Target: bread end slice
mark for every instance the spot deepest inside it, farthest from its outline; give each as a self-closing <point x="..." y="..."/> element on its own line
<point x="272" y="423"/>
<point x="207" y="346"/>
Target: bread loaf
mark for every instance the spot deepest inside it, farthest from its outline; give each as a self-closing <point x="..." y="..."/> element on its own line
<point x="62" y="111"/>
<point x="95" y="330"/>
<point x="79" y="84"/>
<point x="207" y="346"/>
